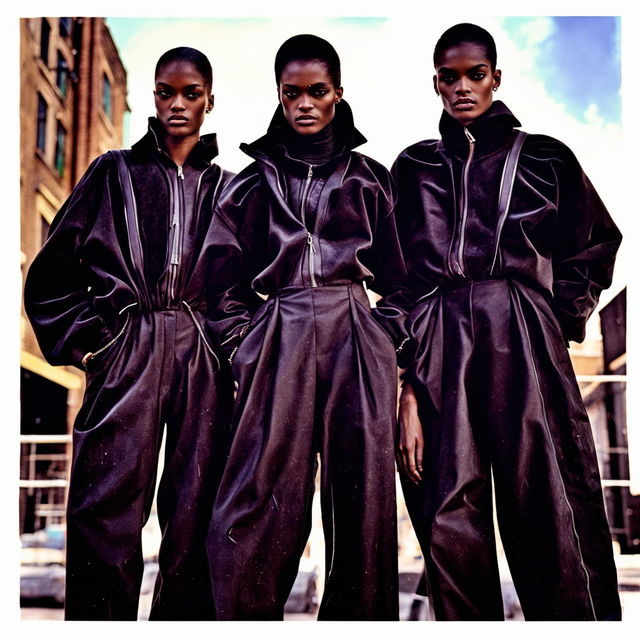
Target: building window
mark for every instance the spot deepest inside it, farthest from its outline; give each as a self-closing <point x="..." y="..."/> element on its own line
<point x="44" y="234"/>
<point x="42" y="123"/>
<point x="65" y="27"/>
<point x="60" y="145"/>
<point x="62" y="74"/>
<point x="45" y="32"/>
<point x="106" y="96"/>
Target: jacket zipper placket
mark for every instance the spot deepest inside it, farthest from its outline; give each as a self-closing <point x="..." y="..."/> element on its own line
<point x="464" y="204"/>
<point x="303" y="212"/>
<point x="176" y="224"/>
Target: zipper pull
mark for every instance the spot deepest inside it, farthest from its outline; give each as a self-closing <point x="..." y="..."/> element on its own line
<point x="310" y="172"/>
<point x="180" y="174"/>
<point x="470" y="138"/>
<point x="310" y="242"/>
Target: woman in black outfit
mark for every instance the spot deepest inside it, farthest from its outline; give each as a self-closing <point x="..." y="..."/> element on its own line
<point x="508" y="247"/>
<point x="306" y="225"/>
<point x="117" y="290"/>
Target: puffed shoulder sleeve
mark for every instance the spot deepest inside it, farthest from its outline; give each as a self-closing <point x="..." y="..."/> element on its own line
<point x="584" y="250"/>
<point x="56" y="295"/>
<point x="387" y="264"/>
<point x="230" y="297"/>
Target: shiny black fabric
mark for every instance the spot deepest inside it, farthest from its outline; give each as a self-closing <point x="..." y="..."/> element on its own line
<point x="496" y="302"/>
<point x="316" y="375"/>
<point x="90" y="290"/>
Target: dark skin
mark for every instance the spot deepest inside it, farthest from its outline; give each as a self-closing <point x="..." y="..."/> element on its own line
<point x="465" y="81"/>
<point x="182" y="97"/>
<point x="308" y="96"/>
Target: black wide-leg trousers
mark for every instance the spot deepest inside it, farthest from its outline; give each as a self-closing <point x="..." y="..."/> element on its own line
<point x="501" y="409"/>
<point x="316" y="376"/>
<point x="159" y="372"/>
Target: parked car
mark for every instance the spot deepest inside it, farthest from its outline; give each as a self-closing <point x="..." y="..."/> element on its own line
<point x="42" y="571"/>
<point x="304" y="594"/>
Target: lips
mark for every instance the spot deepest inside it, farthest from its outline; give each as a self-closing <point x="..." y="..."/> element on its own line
<point x="461" y="102"/>
<point x="308" y="119"/>
<point x="178" y="119"/>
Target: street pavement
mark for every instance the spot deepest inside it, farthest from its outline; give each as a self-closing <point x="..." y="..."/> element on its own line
<point x="415" y="607"/>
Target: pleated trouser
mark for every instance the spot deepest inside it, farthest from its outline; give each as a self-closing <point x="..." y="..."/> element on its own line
<point x="501" y="409"/>
<point x="316" y="375"/>
<point x="160" y="372"/>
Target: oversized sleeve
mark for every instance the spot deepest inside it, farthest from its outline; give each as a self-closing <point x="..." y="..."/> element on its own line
<point x="584" y="250"/>
<point x="230" y="298"/>
<point x="387" y="264"/>
<point x="56" y="295"/>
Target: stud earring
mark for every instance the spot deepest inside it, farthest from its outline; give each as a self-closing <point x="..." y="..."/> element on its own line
<point x="495" y="88"/>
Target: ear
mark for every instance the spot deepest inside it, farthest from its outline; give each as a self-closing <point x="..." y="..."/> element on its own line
<point x="435" y="85"/>
<point x="210" y="102"/>
<point x="339" y="92"/>
<point x="497" y="78"/>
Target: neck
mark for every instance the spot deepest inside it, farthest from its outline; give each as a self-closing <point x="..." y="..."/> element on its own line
<point x="317" y="148"/>
<point x="179" y="149"/>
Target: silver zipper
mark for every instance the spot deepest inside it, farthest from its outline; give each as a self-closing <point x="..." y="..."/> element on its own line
<point x="91" y="355"/>
<point x="465" y="199"/>
<point x="201" y="332"/>
<point x="175" y="243"/>
<point x="303" y="211"/>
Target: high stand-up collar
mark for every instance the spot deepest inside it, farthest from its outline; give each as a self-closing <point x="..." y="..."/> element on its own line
<point x="280" y="139"/>
<point x="491" y="131"/>
<point x="205" y="150"/>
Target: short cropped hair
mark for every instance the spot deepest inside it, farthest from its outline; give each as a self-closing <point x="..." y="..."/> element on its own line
<point x="466" y="32"/>
<point x="306" y="47"/>
<point x="188" y="54"/>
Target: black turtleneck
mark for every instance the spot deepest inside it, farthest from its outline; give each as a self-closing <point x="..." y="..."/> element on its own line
<point x="314" y="149"/>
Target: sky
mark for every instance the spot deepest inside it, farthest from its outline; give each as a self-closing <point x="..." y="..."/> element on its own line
<point x="561" y="76"/>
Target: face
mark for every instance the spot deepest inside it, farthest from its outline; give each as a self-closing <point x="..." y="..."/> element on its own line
<point x="308" y="96"/>
<point x="182" y="98"/>
<point x="465" y="82"/>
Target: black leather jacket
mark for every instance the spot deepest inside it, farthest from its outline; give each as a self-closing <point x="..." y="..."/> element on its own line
<point x="85" y="273"/>
<point x="283" y="223"/>
<point x="556" y="237"/>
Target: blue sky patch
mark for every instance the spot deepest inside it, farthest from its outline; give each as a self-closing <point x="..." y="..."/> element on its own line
<point x="579" y="63"/>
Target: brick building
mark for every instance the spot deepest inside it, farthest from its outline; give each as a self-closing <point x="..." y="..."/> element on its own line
<point x="72" y="107"/>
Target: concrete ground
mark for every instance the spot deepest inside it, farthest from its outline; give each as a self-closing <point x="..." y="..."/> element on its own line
<point x="412" y="607"/>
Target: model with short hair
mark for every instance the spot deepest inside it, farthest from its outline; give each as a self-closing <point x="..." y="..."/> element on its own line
<point x="117" y="290"/>
<point x="508" y="247"/>
<point x="306" y="225"/>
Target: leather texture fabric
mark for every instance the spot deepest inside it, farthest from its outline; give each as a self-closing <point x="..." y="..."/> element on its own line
<point x="120" y="276"/>
<point x="498" y="297"/>
<point x="316" y="374"/>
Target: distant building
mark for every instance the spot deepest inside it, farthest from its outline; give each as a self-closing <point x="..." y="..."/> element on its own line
<point x="72" y="105"/>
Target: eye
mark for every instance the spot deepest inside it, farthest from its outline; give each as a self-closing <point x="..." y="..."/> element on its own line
<point x="320" y="92"/>
<point x="193" y="95"/>
<point x="447" y="79"/>
<point x="163" y="93"/>
<point x="289" y="93"/>
<point x="478" y="75"/>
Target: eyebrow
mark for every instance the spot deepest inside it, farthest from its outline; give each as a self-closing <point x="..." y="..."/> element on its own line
<point x="195" y="85"/>
<point x="474" y="68"/>
<point x="311" y="86"/>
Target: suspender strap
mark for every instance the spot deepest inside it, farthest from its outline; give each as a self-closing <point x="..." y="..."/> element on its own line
<point x="506" y="189"/>
<point x="131" y="220"/>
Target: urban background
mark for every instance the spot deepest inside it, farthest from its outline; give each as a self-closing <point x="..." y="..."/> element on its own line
<point x="76" y="102"/>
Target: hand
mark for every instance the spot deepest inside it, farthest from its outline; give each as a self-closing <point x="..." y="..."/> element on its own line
<point x="411" y="440"/>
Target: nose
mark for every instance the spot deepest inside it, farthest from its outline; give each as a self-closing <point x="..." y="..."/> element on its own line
<point x="178" y="103"/>
<point x="306" y="103"/>
<point x="462" y="86"/>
